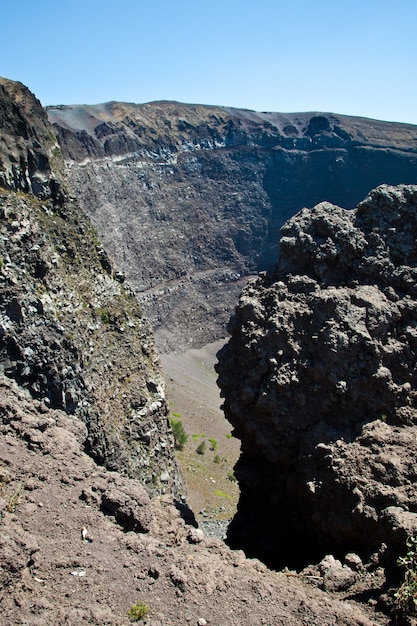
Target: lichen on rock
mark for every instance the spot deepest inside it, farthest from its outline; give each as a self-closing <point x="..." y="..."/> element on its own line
<point x="320" y="384"/>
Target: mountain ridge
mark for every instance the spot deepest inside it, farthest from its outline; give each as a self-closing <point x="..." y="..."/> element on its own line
<point x="189" y="199"/>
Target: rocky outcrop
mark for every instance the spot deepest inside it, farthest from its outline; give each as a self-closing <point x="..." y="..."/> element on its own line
<point x="189" y="199"/>
<point x="27" y="144"/>
<point x="320" y="383"/>
<point x="71" y="331"/>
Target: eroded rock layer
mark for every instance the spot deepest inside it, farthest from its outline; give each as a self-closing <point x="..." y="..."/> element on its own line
<point x="189" y="199"/>
<point x="320" y="383"/>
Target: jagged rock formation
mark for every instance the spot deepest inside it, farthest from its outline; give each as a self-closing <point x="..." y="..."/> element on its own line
<point x="189" y="199"/>
<point x="320" y="383"/>
<point x="71" y="332"/>
<point x="27" y="144"/>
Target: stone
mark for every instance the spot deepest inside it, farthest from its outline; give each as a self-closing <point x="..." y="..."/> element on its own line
<point x="195" y="535"/>
<point x="336" y="577"/>
<point x="354" y="562"/>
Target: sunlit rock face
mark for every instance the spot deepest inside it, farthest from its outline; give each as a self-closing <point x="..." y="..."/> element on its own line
<point x="189" y="199"/>
<point x="320" y="384"/>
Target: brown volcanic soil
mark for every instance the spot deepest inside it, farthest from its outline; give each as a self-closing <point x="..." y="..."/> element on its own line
<point x="50" y="489"/>
<point x="194" y="397"/>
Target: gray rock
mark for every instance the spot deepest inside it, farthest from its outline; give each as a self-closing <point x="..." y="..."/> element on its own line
<point x="195" y="535"/>
<point x="336" y="577"/>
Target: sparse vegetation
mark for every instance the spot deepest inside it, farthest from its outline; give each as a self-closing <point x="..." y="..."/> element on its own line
<point x="217" y="459"/>
<point x="138" y="611"/>
<point x="231" y="476"/>
<point x="180" y="436"/>
<point x="222" y="494"/>
<point x="406" y="596"/>
<point x="12" y="496"/>
<point x="178" y="415"/>
<point x="213" y="444"/>
<point x="104" y="315"/>
<point x="201" y="448"/>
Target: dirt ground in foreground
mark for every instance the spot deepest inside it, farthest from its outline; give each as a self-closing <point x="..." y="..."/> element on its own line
<point x="135" y="550"/>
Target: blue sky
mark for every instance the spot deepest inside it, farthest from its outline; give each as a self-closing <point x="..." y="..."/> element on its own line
<point x="342" y="56"/>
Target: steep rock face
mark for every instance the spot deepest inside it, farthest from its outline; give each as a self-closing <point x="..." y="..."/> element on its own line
<point x="71" y="333"/>
<point x="189" y="199"/>
<point x="320" y="383"/>
<point x="27" y="143"/>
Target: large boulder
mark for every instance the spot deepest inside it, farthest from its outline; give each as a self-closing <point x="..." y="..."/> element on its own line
<point x="319" y="379"/>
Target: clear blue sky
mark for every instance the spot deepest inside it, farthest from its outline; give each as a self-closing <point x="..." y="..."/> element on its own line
<point x="357" y="57"/>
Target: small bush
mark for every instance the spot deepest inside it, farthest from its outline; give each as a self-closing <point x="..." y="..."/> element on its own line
<point x="201" y="448"/>
<point x="137" y="612"/>
<point x="104" y="315"/>
<point x="180" y="436"/>
<point x="231" y="476"/>
<point x="406" y="596"/>
<point x="217" y="459"/>
<point x="213" y="444"/>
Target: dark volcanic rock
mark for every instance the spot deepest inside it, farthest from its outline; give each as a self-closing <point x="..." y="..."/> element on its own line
<point x="320" y="384"/>
<point x="189" y="199"/>
<point x="71" y="333"/>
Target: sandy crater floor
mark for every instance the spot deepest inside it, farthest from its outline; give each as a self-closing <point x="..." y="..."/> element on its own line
<point x="194" y="398"/>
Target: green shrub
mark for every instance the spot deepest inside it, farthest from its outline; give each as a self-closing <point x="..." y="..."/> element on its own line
<point x="217" y="459"/>
<point x="138" y="611"/>
<point x="213" y="443"/>
<point x="180" y="436"/>
<point x="406" y="596"/>
<point x="231" y="476"/>
<point x="104" y="315"/>
<point x="201" y="448"/>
